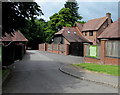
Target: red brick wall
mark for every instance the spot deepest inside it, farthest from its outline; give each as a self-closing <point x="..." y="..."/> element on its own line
<point x="92" y="60"/>
<point x="112" y="61"/>
<point x="55" y="48"/>
<point x="103" y="59"/>
<point x="42" y="47"/>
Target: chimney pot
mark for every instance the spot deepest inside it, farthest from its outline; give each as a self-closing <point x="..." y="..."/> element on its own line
<point x="109" y="18"/>
<point x="108" y="15"/>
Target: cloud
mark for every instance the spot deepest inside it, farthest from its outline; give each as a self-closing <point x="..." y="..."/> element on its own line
<point x="91" y="10"/>
<point x="88" y="10"/>
<point x="50" y="1"/>
<point x="46" y="18"/>
<point x="49" y="8"/>
<point x="78" y="0"/>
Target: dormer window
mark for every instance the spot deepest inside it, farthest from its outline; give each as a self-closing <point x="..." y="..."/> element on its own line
<point x="91" y="33"/>
<point x="68" y="32"/>
<point x="85" y="33"/>
<point x="74" y="32"/>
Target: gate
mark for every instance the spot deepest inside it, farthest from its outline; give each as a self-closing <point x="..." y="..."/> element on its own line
<point x="76" y="49"/>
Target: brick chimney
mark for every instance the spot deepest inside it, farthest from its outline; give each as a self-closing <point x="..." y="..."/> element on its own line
<point x="109" y="18"/>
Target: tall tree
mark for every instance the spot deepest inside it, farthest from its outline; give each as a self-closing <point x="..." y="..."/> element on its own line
<point x="16" y="14"/>
<point x="60" y="19"/>
<point x="34" y="32"/>
<point x="73" y="6"/>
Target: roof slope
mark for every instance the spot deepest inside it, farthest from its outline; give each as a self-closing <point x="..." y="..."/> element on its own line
<point x="94" y="24"/>
<point x="16" y="36"/>
<point x="74" y="34"/>
<point x="112" y="31"/>
<point x="80" y="26"/>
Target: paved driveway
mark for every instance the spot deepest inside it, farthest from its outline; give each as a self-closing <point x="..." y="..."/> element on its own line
<point x="38" y="73"/>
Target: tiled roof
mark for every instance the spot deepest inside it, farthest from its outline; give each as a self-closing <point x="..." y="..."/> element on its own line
<point x="72" y="34"/>
<point x="80" y="26"/>
<point x="94" y="24"/>
<point x="16" y="36"/>
<point x="111" y="31"/>
<point x="60" y="32"/>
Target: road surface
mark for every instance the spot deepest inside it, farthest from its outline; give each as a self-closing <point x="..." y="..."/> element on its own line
<point x="38" y="73"/>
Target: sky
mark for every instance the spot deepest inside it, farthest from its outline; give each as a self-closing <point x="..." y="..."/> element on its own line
<point x="88" y="9"/>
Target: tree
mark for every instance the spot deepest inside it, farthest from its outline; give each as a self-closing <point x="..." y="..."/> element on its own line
<point x="73" y="6"/>
<point x="60" y="19"/>
<point x="64" y="18"/>
<point x="16" y="14"/>
<point x="34" y="32"/>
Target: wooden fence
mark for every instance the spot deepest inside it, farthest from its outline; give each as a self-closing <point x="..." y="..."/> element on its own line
<point x="11" y="53"/>
<point x="105" y="53"/>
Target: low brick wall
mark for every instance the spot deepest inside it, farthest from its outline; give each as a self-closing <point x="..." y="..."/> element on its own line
<point x="55" y="48"/>
<point x="92" y="60"/>
<point x="112" y="61"/>
<point x="42" y="47"/>
<point x="103" y="59"/>
<point x="107" y="60"/>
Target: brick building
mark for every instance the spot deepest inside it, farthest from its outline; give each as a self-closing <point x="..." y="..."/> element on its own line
<point x="93" y="28"/>
<point x="98" y="39"/>
<point x="13" y="47"/>
<point x="109" y="46"/>
<point x="73" y="37"/>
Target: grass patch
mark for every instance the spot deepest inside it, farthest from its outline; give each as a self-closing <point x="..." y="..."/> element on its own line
<point x="107" y="69"/>
<point x="5" y="71"/>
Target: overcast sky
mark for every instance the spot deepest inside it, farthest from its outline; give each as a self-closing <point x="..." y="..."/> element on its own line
<point x="87" y="9"/>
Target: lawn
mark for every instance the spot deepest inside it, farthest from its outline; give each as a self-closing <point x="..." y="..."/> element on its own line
<point x="5" y="72"/>
<point x="107" y="69"/>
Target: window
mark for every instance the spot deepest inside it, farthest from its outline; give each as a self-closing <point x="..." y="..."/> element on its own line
<point x="74" y="32"/>
<point x="85" y="33"/>
<point x="68" y="32"/>
<point x="91" y="33"/>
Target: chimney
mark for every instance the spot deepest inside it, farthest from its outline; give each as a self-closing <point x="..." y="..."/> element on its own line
<point x="109" y="18"/>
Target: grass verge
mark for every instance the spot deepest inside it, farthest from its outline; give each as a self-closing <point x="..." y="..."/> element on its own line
<point x="107" y="69"/>
<point x="5" y="72"/>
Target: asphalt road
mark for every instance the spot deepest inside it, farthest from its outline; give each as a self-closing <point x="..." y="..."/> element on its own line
<point x="38" y="73"/>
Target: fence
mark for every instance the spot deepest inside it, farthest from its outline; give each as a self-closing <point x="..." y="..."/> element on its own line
<point x="106" y="53"/>
<point x="55" y="48"/>
<point x="112" y="48"/>
<point x="11" y="53"/>
<point x="92" y="51"/>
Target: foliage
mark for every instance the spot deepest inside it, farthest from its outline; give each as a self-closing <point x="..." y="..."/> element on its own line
<point x="34" y="32"/>
<point x="66" y="17"/>
<point x="16" y="14"/>
<point x="73" y="6"/>
<point x="5" y="72"/>
<point x="60" y="19"/>
<point x="108" y="69"/>
<point x="22" y="16"/>
<point x="82" y="22"/>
